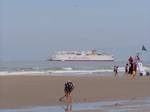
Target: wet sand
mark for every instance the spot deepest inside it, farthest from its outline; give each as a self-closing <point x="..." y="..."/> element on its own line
<point x="89" y="111"/>
<point x="28" y="91"/>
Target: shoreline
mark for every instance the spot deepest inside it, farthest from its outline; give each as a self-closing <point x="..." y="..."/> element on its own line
<point x="27" y="91"/>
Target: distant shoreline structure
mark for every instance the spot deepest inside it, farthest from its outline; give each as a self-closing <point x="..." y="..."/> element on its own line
<point x="92" y="55"/>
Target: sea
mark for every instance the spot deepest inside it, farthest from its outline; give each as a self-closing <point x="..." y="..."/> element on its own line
<point x="65" y="68"/>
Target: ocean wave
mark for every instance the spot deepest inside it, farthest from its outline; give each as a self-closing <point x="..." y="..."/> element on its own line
<point x="6" y="73"/>
<point x="64" y="71"/>
<point x="54" y="72"/>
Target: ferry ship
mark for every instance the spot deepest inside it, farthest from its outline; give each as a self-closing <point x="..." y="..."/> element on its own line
<point x="92" y="55"/>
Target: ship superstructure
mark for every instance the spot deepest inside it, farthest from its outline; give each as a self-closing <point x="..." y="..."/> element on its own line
<point x="92" y="55"/>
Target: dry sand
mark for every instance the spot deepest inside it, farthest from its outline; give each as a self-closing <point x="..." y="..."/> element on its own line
<point x="22" y="91"/>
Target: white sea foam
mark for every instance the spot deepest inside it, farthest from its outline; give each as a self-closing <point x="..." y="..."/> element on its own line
<point x="21" y="73"/>
<point x="55" y="72"/>
<point x="67" y="68"/>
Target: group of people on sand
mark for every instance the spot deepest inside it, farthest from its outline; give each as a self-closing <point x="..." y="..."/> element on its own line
<point x="130" y="67"/>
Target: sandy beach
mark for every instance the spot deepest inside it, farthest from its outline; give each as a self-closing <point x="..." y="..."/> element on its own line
<point x="24" y="91"/>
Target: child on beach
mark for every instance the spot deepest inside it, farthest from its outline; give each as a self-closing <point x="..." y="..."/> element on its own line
<point x="69" y="86"/>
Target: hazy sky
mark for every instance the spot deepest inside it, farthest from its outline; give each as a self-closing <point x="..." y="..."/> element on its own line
<point x="35" y="29"/>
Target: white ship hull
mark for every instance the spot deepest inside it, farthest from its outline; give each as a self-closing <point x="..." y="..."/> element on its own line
<point x="81" y="57"/>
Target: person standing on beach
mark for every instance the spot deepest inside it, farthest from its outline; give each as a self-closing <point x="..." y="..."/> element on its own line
<point x="68" y="88"/>
<point x="131" y="65"/>
<point x="126" y="69"/>
<point x="133" y="73"/>
<point x="116" y="70"/>
<point x="134" y="70"/>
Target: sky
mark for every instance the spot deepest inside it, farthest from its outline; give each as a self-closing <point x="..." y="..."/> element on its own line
<point x="36" y="29"/>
